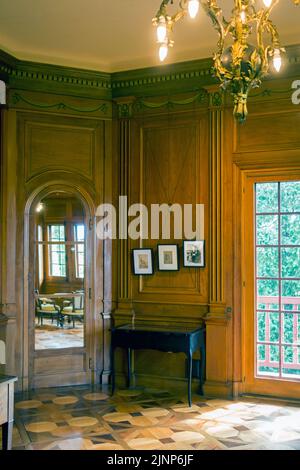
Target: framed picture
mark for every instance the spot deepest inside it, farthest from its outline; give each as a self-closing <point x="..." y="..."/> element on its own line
<point x="142" y="261"/>
<point x="194" y="254"/>
<point x="168" y="257"/>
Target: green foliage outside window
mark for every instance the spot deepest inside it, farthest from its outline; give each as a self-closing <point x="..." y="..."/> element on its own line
<point x="278" y="255"/>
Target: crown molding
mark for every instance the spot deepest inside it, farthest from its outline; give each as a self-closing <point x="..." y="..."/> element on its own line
<point x="189" y="76"/>
<point x="33" y="76"/>
<point x="162" y="80"/>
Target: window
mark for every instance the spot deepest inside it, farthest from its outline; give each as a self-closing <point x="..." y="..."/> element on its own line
<point x="57" y="251"/>
<point x="79" y="236"/>
<point x="278" y="280"/>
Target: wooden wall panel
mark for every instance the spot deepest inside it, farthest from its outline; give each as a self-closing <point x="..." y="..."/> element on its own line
<point x="168" y="163"/>
<point x="63" y="146"/>
<point x="172" y="168"/>
<point x="61" y="152"/>
<point x="263" y="132"/>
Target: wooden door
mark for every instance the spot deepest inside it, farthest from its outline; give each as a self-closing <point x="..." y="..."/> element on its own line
<point x="53" y="360"/>
<point x="271" y="284"/>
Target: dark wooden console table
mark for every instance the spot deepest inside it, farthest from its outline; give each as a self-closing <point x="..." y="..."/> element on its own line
<point x="168" y="339"/>
<point x="7" y="409"/>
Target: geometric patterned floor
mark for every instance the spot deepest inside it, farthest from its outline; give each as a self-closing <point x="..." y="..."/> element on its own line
<point x="50" y="336"/>
<point x="85" y="418"/>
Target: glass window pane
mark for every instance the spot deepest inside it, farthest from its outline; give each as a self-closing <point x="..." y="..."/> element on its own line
<point x="261" y="352"/>
<point x="267" y="197"/>
<point x="55" y="270"/>
<point x="55" y="257"/>
<point x="290" y="328"/>
<point x="268" y="288"/>
<point x="57" y="260"/>
<point x="261" y="326"/>
<point x="290" y="196"/>
<point x="280" y="328"/>
<point x="291" y="362"/>
<point x="79" y="233"/>
<point x="274" y="354"/>
<point x="290" y="229"/>
<point x="267" y="230"/>
<point x="56" y="233"/>
<point x="268" y="360"/>
<point x="274" y="323"/>
<point x="290" y="289"/>
<point x="267" y="262"/>
<point x="290" y="262"/>
<point x="81" y="271"/>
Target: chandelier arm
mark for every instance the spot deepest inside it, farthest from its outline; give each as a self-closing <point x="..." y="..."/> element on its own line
<point x="265" y="24"/>
<point x="241" y="65"/>
<point x="212" y="9"/>
<point x="162" y="9"/>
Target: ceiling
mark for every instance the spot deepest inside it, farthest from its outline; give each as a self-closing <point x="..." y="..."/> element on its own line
<point x="112" y="35"/>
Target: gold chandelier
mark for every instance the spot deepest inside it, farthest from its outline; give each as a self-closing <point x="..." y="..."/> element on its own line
<point x="239" y="64"/>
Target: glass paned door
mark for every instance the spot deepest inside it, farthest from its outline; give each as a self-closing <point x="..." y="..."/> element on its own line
<point x="277" y="254"/>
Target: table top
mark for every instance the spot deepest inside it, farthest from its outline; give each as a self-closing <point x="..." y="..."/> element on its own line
<point x="62" y="295"/>
<point x="7" y="378"/>
<point x="158" y="328"/>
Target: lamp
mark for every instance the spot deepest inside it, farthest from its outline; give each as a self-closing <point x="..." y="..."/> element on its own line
<point x="242" y="65"/>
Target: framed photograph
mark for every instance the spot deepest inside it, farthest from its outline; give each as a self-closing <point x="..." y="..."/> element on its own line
<point x="142" y="261"/>
<point x="194" y="254"/>
<point x="168" y="259"/>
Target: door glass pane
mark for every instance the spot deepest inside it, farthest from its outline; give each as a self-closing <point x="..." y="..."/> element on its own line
<point x="290" y="267"/>
<point x="290" y="229"/>
<point x="278" y="280"/>
<point x="267" y="198"/>
<point x="290" y="196"/>
<point x="267" y="230"/>
<point x="59" y="311"/>
<point x="267" y="262"/>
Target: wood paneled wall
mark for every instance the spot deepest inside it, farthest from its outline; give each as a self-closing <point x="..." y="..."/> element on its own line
<point x="43" y="152"/>
<point x="200" y="154"/>
<point x="152" y="150"/>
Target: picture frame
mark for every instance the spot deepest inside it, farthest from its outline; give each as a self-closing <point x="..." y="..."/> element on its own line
<point x="142" y="261"/>
<point x="168" y="257"/>
<point x="194" y="253"/>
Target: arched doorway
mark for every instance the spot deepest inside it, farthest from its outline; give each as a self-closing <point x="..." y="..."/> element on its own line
<point x="59" y="305"/>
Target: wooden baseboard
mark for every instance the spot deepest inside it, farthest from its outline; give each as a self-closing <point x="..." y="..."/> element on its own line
<point x="218" y="389"/>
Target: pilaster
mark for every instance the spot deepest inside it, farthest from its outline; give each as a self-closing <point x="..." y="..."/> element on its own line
<point x="124" y="108"/>
<point x="218" y="317"/>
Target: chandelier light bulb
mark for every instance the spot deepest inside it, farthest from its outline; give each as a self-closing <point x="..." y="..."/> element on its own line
<point x="277" y="62"/>
<point x="161" y="30"/>
<point x="238" y="65"/>
<point x="163" y="52"/>
<point x="193" y="7"/>
<point x="243" y="16"/>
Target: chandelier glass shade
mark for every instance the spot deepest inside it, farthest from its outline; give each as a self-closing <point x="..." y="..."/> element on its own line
<point x="248" y="42"/>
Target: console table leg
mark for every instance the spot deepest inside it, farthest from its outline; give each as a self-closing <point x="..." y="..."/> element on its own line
<point x="202" y="368"/>
<point x="190" y="357"/>
<point x="128" y="367"/>
<point x="7" y="430"/>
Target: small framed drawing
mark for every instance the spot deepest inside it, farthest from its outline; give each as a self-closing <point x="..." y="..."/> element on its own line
<point x="168" y="258"/>
<point x="194" y="254"/>
<point x="142" y="261"/>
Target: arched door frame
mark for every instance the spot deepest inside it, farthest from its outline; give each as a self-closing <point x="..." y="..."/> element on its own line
<point x="93" y="285"/>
